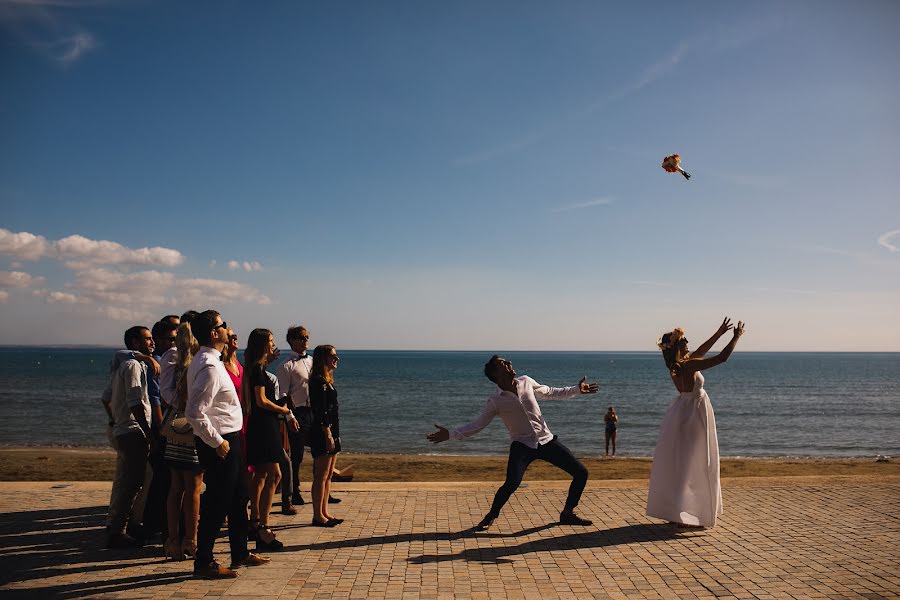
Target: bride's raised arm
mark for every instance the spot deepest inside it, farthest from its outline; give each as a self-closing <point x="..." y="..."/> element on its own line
<point x="692" y="365"/>
<point x="703" y="348"/>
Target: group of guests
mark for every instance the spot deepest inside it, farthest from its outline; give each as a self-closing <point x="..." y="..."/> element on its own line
<point x="186" y="416"/>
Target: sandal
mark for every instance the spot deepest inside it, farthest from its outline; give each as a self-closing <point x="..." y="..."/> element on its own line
<point x="189" y="547"/>
<point x="173" y="550"/>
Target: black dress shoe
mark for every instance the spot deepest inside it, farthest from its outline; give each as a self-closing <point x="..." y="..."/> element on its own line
<point x="485" y="523"/>
<point x="274" y="545"/>
<point x="298" y="500"/>
<point x="573" y="519"/>
<point x="335" y="520"/>
<point x="333" y="500"/>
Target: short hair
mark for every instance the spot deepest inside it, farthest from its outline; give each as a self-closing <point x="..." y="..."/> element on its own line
<point x="490" y="367"/>
<point x="202" y="325"/>
<point x="188" y="316"/>
<point x="172" y="319"/>
<point x="161" y="327"/>
<point x="295" y="332"/>
<point x="133" y="333"/>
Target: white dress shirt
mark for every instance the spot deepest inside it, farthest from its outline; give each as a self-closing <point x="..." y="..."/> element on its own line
<point x="293" y="378"/>
<point x="213" y="408"/>
<point x="520" y="412"/>
<point x="167" y="370"/>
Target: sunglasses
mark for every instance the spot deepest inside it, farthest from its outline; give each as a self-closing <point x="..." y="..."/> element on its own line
<point x="223" y="325"/>
<point x="232" y="337"/>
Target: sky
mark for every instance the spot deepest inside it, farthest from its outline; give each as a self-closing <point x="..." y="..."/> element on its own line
<point x="452" y="175"/>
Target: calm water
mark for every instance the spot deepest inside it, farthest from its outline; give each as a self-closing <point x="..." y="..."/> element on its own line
<point x="766" y="404"/>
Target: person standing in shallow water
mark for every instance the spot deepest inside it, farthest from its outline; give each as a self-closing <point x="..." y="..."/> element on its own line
<point x="515" y="401"/>
<point x="684" y="476"/>
<point x="611" y="421"/>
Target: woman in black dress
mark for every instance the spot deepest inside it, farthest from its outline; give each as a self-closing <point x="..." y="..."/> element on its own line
<point x="325" y="432"/>
<point x="264" y="438"/>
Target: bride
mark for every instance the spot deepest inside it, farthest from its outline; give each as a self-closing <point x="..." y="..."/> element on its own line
<point x="684" y="477"/>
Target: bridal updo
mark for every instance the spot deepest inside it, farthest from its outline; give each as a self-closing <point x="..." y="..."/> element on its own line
<point x="671" y="344"/>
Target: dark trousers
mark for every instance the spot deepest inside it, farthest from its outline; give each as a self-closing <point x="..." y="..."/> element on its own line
<point x="298" y="440"/>
<point x="226" y="494"/>
<point x="157" y="496"/>
<point x="520" y="456"/>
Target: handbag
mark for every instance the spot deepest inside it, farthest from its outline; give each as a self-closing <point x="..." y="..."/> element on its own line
<point x="176" y="428"/>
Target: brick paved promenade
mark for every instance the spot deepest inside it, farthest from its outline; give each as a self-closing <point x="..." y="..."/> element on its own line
<point x="798" y="537"/>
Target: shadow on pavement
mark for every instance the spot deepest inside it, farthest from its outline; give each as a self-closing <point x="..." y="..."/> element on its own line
<point x="40" y="544"/>
<point x="629" y="534"/>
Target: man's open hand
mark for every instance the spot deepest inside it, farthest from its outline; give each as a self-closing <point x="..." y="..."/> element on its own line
<point x="588" y="388"/>
<point x="441" y="435"/>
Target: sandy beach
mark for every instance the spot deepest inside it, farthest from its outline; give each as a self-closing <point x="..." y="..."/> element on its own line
<point x="95" y="464"/>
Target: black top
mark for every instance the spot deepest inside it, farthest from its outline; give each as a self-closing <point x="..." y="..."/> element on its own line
<point x="323" y="402"/>
<point x="259" y="378"/>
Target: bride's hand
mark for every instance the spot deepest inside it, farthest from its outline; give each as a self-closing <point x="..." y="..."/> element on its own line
<point x="725" y="326"/>
<point x="739" y="329"/>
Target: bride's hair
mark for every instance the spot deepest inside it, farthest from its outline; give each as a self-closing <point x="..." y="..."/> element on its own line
<point x="669" y="343"/>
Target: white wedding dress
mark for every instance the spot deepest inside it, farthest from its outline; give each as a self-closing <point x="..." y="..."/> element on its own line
<point x="684" y="478"/>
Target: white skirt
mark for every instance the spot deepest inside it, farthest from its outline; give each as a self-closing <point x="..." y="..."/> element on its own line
<point x="684" y="478"/>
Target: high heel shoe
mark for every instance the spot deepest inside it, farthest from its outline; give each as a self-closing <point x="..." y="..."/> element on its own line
<point x="189" y="548"/>
<point x="173" y="550"/>
<point x="273" y="545"/>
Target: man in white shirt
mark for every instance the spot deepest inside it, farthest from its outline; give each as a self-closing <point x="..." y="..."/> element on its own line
<point x="293" y="380"/>
<point x="128" y="406"/>
<point x="515" y="401"/>
<point x="214" y="411"/>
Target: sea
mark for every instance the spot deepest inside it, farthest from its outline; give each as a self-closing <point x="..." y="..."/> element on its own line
<point x="767" y="404"/>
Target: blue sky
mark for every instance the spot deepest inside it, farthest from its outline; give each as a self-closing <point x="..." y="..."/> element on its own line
<point x="462" y="175"/>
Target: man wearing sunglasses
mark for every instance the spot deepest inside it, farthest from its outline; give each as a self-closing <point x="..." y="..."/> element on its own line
<point x="215" y="413"/>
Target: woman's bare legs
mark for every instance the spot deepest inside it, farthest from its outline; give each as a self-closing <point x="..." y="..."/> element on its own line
<point x="267" y="493"/>
<point x="321" y="474"/>
<point x="173" y="514"/>
<point x="192" y="482"/>
<point x="329" y="470"/>
<point x="613" y="436"/>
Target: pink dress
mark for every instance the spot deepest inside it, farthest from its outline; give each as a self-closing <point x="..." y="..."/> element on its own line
<point x="237" y="380"/>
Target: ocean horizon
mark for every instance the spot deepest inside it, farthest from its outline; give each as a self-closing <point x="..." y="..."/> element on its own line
<point x="767" y="404"/>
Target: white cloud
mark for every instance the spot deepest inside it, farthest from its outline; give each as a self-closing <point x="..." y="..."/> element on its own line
<point x="24" y="245"/>
<point x="884" y="240"/>
<point x="62" y="297"/>
<point x="245" y="265"/>
<point x="84" y="251"/>
<point x="18" y="279"/>
<point x="4" y="295"/>
<point x="588" y="204"/>
<point x="106" y="252"/>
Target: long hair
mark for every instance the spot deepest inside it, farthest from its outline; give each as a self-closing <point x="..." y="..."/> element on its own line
<point x="321" y="365"/>
<point x="670" y="345"/>
<point x="186" y="346"/>
<point x="255" y="354"/>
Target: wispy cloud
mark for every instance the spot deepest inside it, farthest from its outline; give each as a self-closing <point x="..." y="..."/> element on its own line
<point x="47" y="26"/>
<point x="588" y="204"/>
<point x="884" y="240"/>
<point x="723" y="39"/>
<point x="246" y="265"/>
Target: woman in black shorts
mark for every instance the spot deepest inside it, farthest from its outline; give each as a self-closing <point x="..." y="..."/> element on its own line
<point x="264" y="438"/>
<point x="325" y="432"/>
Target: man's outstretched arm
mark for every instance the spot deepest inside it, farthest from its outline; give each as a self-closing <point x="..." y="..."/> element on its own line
<point x="443" y="434"/>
